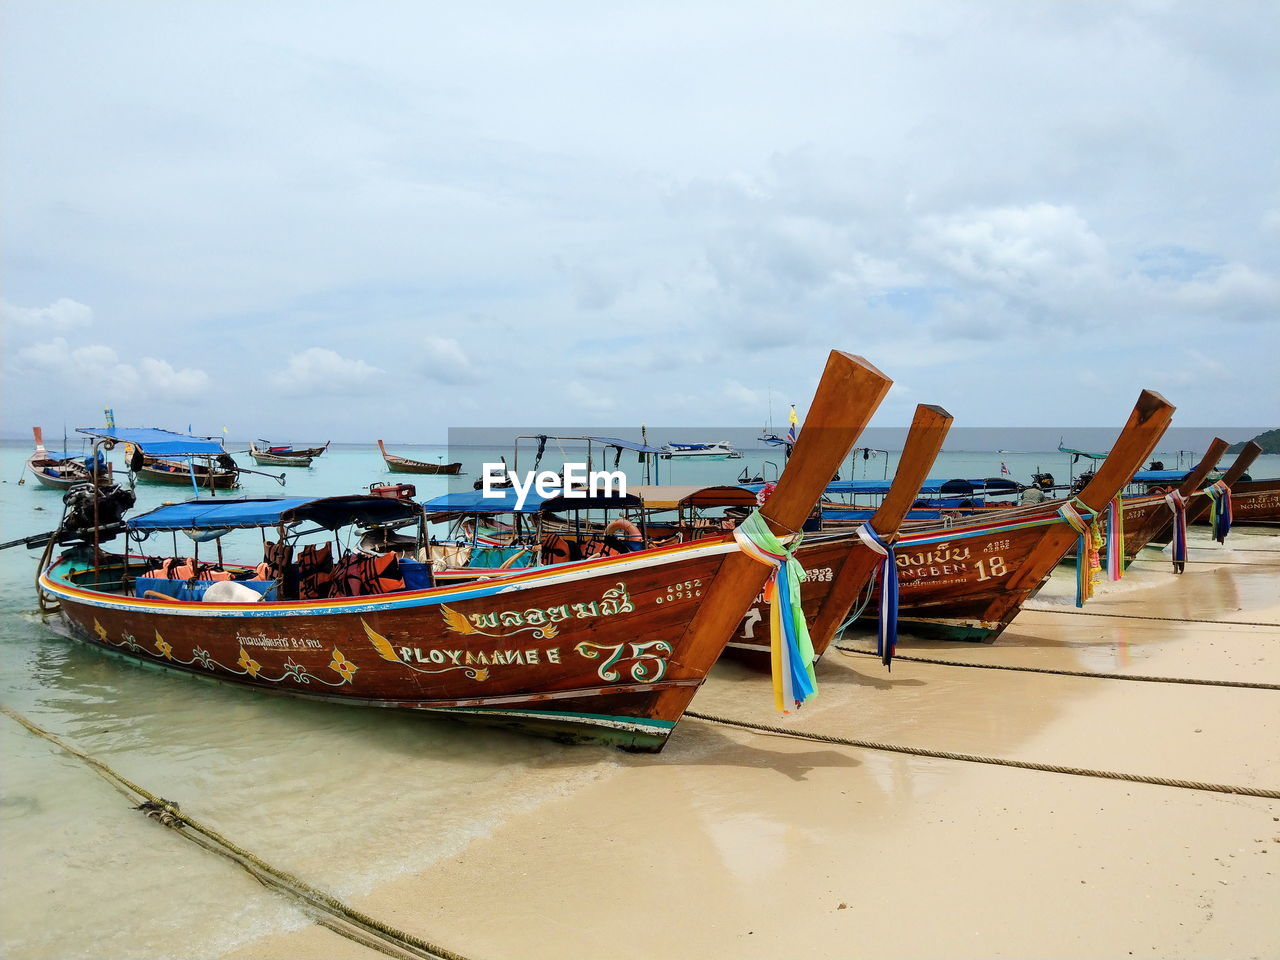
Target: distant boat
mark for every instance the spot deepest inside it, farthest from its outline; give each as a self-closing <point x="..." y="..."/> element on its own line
<point x="61" y="470"/>
<point x="270" y="458"/>
<point x="720" y="450"/>
<point x="404" y="465"/>
<point x="287" y="450"/>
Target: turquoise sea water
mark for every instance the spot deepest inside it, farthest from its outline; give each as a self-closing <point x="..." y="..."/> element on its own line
<point x="344" y="797"/>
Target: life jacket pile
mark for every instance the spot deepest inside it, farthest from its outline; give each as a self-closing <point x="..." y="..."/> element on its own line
<point x="186" y="568"/>
<point x="362" y="575"/>
<point x="315" y="572"/>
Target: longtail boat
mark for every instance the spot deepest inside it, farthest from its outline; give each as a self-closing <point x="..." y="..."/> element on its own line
<point x="398" y="464"/>
<point x="1147" y="515"/>
<point x="1200" y="502"/>
<point x="611" y="649"/>
<point x="187" y="473"/>
<point x="62" y="470"/>
<point x="288" y="450"/>
<point x="1256" y="501"/>
<point x="269" y="458"/>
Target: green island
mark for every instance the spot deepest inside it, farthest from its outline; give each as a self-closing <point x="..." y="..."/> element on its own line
<point x="1268" y="440"/>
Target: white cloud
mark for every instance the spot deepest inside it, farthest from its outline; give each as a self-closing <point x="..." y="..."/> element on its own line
<point x="319" y="370"/>
<point x="582" y="397"/>
<point x="96" y="366"/>
<point x="63" y="314"/>
<point x="444" y="361"/>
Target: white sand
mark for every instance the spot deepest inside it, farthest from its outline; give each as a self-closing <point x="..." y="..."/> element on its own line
<point x="736" y="844"/>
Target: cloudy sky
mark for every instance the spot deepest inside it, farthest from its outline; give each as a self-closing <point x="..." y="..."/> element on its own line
<point x="310" y="220"/>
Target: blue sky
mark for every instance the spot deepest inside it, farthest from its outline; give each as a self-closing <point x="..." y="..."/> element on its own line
<point x="351" y="220"/>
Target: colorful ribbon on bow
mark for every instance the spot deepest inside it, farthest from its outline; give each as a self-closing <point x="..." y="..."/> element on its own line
<point x="1087" y="544"/>
<point x="1115" y="538"/>
<point x="790" y="648"/>
<point x="1220" y="512"/>
<point x="887" y="633"/>
<point x="1178" y="504"/>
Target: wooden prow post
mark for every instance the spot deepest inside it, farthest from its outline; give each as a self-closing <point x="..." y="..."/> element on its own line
<point x="924" y="441"/>
<point x="1142" y="431"/>
<point x="850" y="391"/>
<point x="1202" y="469"/>
<point x="1199" y="506"/>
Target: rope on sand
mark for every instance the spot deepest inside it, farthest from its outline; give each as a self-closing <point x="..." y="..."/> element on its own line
<point x="342" y="919"/>
<point x="1135" y="616"/>
<point x="997" y="761"/>
<point x="1072" y="673"/>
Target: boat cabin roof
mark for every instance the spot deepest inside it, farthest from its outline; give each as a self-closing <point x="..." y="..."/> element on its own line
<point x="939" y="485"/>
<point x="504" y="500"/>
<point x="222" y="514"/>
<point x="674" y="497"/>
<point x="158" y="443"/>
<point x="1160" y="476"/>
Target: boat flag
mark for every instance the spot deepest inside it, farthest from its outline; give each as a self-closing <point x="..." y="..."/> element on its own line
<point x="1004" y="470"/>
<point x="791" y="430"/>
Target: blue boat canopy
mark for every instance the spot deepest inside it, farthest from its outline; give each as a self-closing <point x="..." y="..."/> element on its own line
<point x="1160" y="476"/>
<point x="502" y="500"/>
<point x="223" y="514"/>
<point x="157" y="443"/>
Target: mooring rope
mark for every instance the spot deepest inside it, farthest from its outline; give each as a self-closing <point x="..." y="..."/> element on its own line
<point x="379" y="935"/>
<point x="1248" y="685"/>
<point x="1135" y="616"/>
<point x="997" y="761"/>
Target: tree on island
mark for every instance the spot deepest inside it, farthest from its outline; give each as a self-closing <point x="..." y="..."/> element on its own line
<point x="1268" y="440"/>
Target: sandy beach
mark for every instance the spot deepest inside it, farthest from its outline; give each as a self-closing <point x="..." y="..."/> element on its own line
<point x="733" y="843"/>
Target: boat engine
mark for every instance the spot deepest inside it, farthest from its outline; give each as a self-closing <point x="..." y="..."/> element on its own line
<point x="79" y="519"/>
<point x="1042" y="480"/>
<point x="1080" y="482"/>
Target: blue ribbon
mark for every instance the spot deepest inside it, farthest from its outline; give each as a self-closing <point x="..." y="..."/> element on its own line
<point x="887" y="628"/>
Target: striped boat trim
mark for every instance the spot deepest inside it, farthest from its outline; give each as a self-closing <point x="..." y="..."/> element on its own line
<point x="516" y="582"/>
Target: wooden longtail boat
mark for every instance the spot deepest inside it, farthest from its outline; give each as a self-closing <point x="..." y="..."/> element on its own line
<point x="404" y="465"/>
<point x="60" y="470"/>
<point x="1147" y="515"/>
<point x="285" y="450"/>
<point x="1256" y="501"/>
<point x="176" y="473"/>
<point x="266" y="458"/>
<point x="968" y="580"/>
<point x="1198" y="502"/>
<point x="608" y="649"/>
<point x="838" y="567"/>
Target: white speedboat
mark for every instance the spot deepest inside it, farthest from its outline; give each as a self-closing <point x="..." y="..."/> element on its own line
<point x="720" y="450"/>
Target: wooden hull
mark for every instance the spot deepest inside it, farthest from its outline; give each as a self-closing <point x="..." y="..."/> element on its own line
<point x="964" y="582"/>
<point x="405" y="465"/>
<point x="583" y="651"/>
<point x="1255" y="501"/>
<point x="401" y="465"/>
<point x="175" y="474"/>
<point x="67" y="478"/>
<point x="264" y="459"/>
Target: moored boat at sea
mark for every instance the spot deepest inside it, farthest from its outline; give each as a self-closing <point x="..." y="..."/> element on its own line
<point x="62" y="470"/>
<point x="719" y="450"/>
<point x="397" y="464"/>
<point x="610" y="649"/>
<point x="266" y="457"/>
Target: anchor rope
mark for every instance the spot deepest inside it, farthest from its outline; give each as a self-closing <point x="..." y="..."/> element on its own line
<point x="977" y="758"/>
<point x="1135" y="616"/>
<point x="1248" y="685"/>
<point x="168" y="813"/>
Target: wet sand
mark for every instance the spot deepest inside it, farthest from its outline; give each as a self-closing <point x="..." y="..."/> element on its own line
<point x="738" y="844"/>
